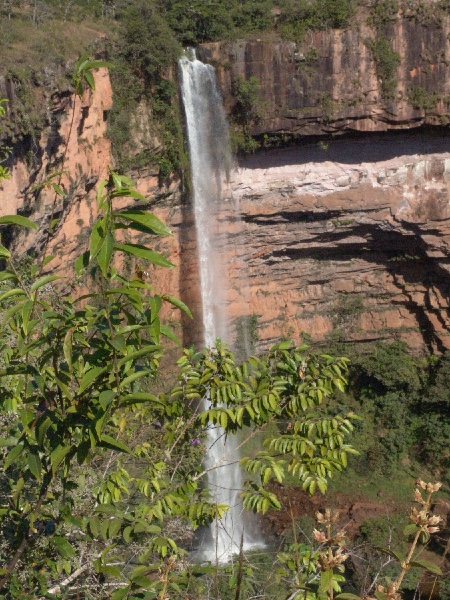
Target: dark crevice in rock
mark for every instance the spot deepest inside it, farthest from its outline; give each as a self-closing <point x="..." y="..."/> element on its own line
<point x="308" y="216"/>
<point x="353" y="148"/>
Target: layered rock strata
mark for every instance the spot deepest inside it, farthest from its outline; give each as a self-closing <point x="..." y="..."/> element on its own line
<point x="349" y="239"/>
<point x="345" y="237"/>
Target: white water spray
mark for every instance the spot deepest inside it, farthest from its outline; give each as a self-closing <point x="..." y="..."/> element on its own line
<point x="210" y="158"/>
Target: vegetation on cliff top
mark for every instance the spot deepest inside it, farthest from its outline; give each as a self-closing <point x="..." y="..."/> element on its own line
<point x="144" y="38"/>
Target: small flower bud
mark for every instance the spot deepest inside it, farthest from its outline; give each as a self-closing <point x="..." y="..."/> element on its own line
<point x="320" y="518"/>
<point x="335" y="516"/>
<point x="418" y="496"/>
<point x="432" y="529"/>
<point x="414" y="516"/>
<point x="436" y="487"/>
<point x="434" y="520"/>
<point x="339" y="536"/>
<point x="319" y="536"/>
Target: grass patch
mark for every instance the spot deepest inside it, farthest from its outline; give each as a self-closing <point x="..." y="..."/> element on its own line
<point x="51" y="44"/>
<point x="375" y="487"/>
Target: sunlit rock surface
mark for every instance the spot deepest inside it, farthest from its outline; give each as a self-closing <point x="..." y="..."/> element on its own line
<point x="346" y="234"/>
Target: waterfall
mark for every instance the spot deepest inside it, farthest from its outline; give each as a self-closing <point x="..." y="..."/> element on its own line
<point x="210" y="159"/>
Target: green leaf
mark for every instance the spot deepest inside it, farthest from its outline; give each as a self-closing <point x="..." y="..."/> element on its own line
<point x="67" y="347"/>
<point x="144" y="253"/>
<point x="169" y="334"/>
<point x="126" y="192"/>
<point x="326" y="577"/>
<point x="178" y="303"/>
<point x="64" y="547"/>
<point x="11" y="294"/>
<point x="137" y="375"/>
<point x="390" y="552"/>
<point x="89" y="79"/>
<point x="18" y="220"/>
<point x="139" y="398"/>
<point x="4" y="252"/>
<point x="138" y="353"/>
<point x="110" y="509"/>
<point x="98" y="423"/>
<point x="106" y="398"/>
<point x="111" y="571"/>
<point x="5" y="275"/>
<point x="94" y="526"/>
<point x="424" y="536"/>
<point x="100" y="189"/>
<point x="105" y="254"/>
<point x="107" y="441"/>
<point x="83" y="452"/>
<point x="43" y="281"/>
<point x="11" y="312"/>
<point x="282" y="345"/>
<point x="10" y="441"/>
<point x="143" y="582"/>
<point x="127" y="532"/>
<point x="41" y="429"/>
<point x="147" y="220"/>
<point x="117" y="180"/>
<point x="90" y="377"/>
<point x="60" y="192"/>
<point x="114" y="527"/>
<point x="119" y="342"/>
<point x="426" y="564"/>
<point x="35" y="466"/>
<point x="26" y="313"/>
<point x="97" y="238"/>
<point x="104" y="530"/>
<point x="82" y="262"/>
<point x="97" y="64"/>
<point x="13" y="455"/>
<point x="347" y="596"/>
<point x="47" y="260"/>
<point x="410" y="529"/>
<point x="58" y="455"/>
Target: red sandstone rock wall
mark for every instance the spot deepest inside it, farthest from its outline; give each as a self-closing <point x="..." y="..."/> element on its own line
<point x="353" y="244"/>
<point x="349" y="236"/>
<point x="339" y="88"/>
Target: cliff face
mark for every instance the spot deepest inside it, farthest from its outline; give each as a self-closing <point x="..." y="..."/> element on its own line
<point x="77" y="144"/>
<point x="335" y="80"/>
<point x="350" y="241"/>
<point x="346" y="237"/>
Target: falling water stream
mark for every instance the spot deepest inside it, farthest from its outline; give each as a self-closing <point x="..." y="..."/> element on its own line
<point x="210" y="159"/>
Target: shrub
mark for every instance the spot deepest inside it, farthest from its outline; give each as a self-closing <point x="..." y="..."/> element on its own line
<point x="297" y="16"/>
<point x="421" y="99"/>
<point x="383" y="12"/>
<point x="248" y="107"/>
<point x="389" y="367"/>
<point x="149" y="44"/>
<point x="387" y="61"/>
